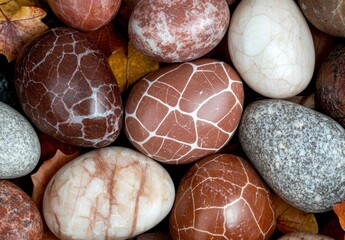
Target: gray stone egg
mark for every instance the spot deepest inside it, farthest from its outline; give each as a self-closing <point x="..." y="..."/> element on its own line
<point x="299" y="152"/>
<point x="19" y="145"/>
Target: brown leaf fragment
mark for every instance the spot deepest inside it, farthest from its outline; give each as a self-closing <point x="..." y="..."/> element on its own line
<point x="339" y="209"/>
<point x="18" y="25"/>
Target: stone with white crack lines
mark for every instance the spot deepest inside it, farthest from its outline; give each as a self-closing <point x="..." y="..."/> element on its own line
<point x="299" y="152"/>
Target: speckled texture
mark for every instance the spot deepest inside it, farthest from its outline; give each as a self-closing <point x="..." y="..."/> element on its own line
<point x="178" y="31"/>
<point x="19" y="144"/>
<point x="19" y="216"/>
<point x="298" y="151"/>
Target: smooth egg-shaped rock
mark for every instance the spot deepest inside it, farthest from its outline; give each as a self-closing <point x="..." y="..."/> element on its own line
<point x="298" y="151"/>
<point x="67" y="89"/>
<point x="108" y="193"/>
<point x="178" y="31"/>
<point x="304" y="236"/>
<point x="183" y="112"/>
<point x="271" y="47"/>
<point x="19" y="145"/>
<point x="222" y="197"/>
<point x="19" y="216"/>
<point x="85" y="15"/>
<point x="330" y="85"/>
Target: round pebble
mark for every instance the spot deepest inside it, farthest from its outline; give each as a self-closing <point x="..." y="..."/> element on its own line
<point x="19" y="145"/>
<point x="299" y="152"/>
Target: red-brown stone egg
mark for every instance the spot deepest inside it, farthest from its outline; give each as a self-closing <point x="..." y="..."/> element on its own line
<point x="19" y="216"/>
<point x="222" y="197"/>
<point x="67" y="89"/>
<point x="183" y="112"/>
<point x="178" y="31"/>
<point x="85" y="15"/>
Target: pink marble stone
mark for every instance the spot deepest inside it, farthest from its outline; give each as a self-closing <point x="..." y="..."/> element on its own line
<point x="222" y="197"/>
<point x="85" y="15"/>
<point x="109" y="193"/>
<point x="178" y="31"/>
<point x="19" y="216"/>
<point x="183" y="112"/>
<point x="67" y="89"/>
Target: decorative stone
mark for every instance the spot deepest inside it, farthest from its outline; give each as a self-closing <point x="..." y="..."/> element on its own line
<point x="222" y="197"/>
<point x="178" y="31"/>
<point x="67" y="89"/>
<point x="271" y="47"/>
<point x="299" y="152"/>
<point x="304" y="236"/>
<point x="109" y="193"/>
<point x="183" y="112"/>
<point x="85" y="15"/>
<point x="19" y="145"/>
<point x="7" y="90"/>
<point x="326" y="17"/>
<point x="330" y="85"/>
<point x="19" y="216"/>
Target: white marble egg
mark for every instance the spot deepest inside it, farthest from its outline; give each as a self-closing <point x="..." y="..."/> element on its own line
<point x="108" y="193"/>
<point x="271" y="47"/>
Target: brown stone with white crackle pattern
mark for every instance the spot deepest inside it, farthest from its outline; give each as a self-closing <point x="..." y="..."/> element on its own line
<point x="19" y="216"/>
<point x="330" y="85"/>
<point x="178" y="31"/>
<point x="222" y="197"/>
<point x="85" y="15"/>
<point x="183" y="112"/>
<point x="67" y="89"/>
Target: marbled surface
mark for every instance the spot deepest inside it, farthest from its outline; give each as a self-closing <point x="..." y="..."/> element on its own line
<point x="109" y="193"/>
<point x="271" y="47"/>
<point x="85" y="15"/>
<point x="67" y="89"/>
<point x="19" y="145"/>
<point x="222" y="197"/>
<point x="299" y="152"/>
<point x="178" y="31"/>
<point x="19" y="216"/>
<point x="183" y="112"/>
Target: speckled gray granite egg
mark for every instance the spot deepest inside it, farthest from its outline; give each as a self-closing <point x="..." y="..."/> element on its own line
<point x="299" y="152"/>
<point x="19" y="145"/>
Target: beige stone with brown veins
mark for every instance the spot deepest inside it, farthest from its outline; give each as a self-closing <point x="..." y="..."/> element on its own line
<point x="109" y="193"/>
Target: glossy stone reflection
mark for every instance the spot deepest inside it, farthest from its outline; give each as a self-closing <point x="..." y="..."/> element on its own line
<point x="222" y="197"/>
<point x="68" y="90"/>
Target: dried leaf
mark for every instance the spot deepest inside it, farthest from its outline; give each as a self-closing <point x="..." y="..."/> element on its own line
<point x="47" y="170"/>
<point x="339" y="209"/>
<point x="18" y="25"/>
<point x="291" y="219"/>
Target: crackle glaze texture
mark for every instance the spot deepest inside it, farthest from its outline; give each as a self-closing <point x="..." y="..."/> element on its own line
<point x="271" y="47"/>
<point x="109" y="193"/>
<point x="67" y="89"/>
<point x="330" y="85"/>
<point x="19" y="216"/>
<point x="222" y="197"/>
<point x="298" y="151"/>
<point x="85" y="15"/>
<point x="326" y="16"/>
<point x="183" y="112"/>
<point x="178" y="31"/>
<point x="19" y="145"/>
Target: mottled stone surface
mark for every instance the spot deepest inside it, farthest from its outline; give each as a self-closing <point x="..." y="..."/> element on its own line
<point x="19" y="145"/>
<point x="109" y="193"/>
<point x="299" y="152"/>
<point x="85" y="15"/>
<point x="222" y="197"/>
<point x="68" y="90"/>
<point x="178" y="31"/>
<point x="271" y="47"/>
<point x="330" y="85"/>
<point x="329" y="17"/>
<point x="183" y="112"/>
<point x="7" y="90"/>
<point x="19" y="216"/>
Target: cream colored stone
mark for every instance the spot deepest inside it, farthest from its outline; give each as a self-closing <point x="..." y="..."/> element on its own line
<point x="271" y="47"/>
<point x="109" y="193"/>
